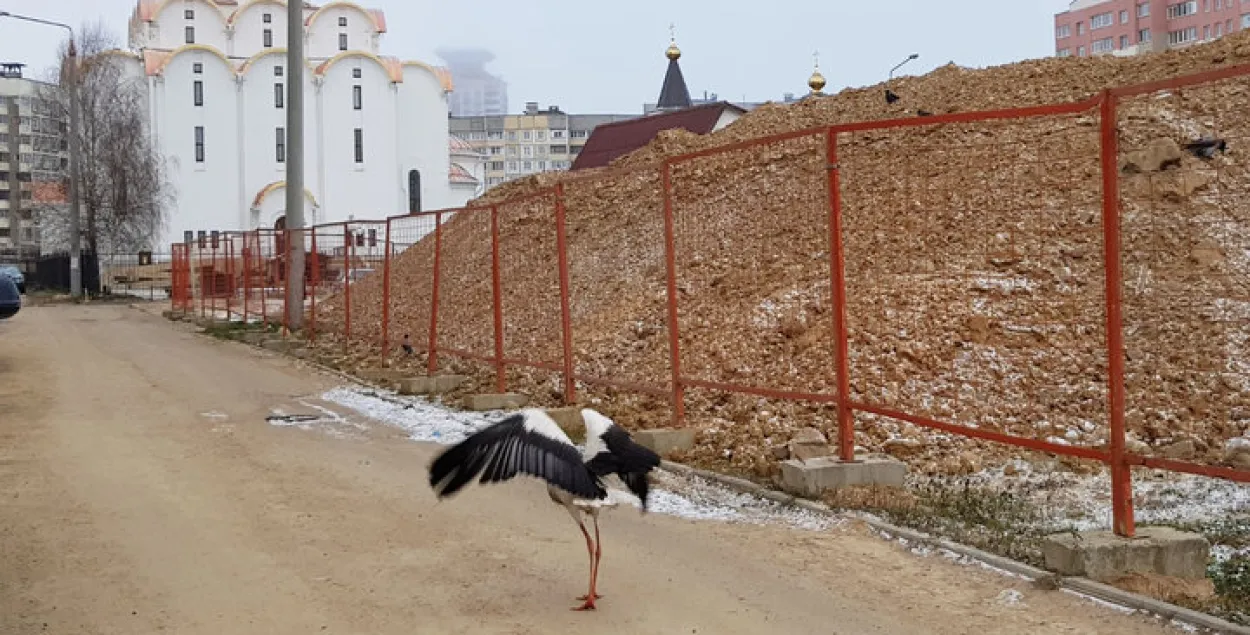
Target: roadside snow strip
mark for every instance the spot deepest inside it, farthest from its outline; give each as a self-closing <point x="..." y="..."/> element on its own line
<point x="687" y="497"/>
<point x="690" y="496"/>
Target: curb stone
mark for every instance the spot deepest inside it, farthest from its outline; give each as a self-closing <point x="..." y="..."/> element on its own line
<point x="1096" y="590"/>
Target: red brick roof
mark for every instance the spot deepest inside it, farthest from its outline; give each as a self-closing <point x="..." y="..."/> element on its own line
<point x="457" y="174"/>
<point x="612" y="140"/>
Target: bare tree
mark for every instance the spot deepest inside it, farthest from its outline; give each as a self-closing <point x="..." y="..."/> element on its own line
<point x="124" y="190"/>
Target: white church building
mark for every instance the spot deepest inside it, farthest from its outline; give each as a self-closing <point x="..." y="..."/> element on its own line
<point x="376" y="128"/>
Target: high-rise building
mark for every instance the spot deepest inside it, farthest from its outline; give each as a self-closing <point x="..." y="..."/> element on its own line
<point x="536" y="140"/>
<point x="376" y="138"/>
<point x="478" y="92"/>
<point x="1129" y="27"/>
<point x="33" y="161"/>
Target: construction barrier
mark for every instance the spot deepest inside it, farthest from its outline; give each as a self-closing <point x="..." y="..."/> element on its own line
<point x="1051" y="280"/>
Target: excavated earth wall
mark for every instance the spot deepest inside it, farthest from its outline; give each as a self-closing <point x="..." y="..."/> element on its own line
<point x="974" y="258"/>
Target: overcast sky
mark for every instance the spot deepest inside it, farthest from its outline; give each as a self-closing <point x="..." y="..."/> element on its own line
<point x="589" y="59"/>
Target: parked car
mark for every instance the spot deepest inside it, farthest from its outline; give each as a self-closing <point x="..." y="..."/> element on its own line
<point x="14" y="274"/>
<point x="10" y="299"/>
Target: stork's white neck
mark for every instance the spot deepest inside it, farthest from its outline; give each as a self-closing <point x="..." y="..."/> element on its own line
<point x="596" y="426"/>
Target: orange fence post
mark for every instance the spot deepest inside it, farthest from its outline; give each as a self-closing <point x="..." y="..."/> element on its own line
<point x="176" y="276"/>
<point x="209" y="284"/>
<point x="347" y="284"/>
<point x="566" y="322"/>
<point x="386" y="290"/>
<point x="316" y="280"/>
<point x="501" y="378"/>
<point x="199" y="266"/>
<point x="837" y="272"/>
<point x="264" y="280"/>
<point x="284" y="276"/>
<point x="229" y="274"/>
<point x="247" y="277"/>
<point x="1121" y="473"/>
<point x="670" y="262"/>
<point x="432" y="360"/>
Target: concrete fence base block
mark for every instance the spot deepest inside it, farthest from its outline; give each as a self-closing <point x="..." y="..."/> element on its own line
<point x="570" y="421"/>
<point x="665" y="441"/>
<point x="255" y="338"/>
<point x="279" y="345"/>
<point x="1103" y="556"/>
<point x="1075" y="584"/>
<point x="434" y="385"/>
<point x="379" y="375"/>
<point x="506" y="401"/>
<point x="811" y="478"/>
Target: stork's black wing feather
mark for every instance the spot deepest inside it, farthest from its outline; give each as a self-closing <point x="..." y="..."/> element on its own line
<point x="626" y="459"/>
<point x="506" y="449"/>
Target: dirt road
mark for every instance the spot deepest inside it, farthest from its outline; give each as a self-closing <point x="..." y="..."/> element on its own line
<point x="143" y="492"/>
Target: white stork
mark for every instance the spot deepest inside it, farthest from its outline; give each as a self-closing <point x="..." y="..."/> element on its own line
<point x="531" y="442"/>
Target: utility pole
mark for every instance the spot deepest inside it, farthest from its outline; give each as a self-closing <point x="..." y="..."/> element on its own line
<point x="295" y="164"/>
<point x="75" y="209"/>
<point x="75" y="249"/>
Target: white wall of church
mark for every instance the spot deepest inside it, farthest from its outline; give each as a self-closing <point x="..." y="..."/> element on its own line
<point x="239" y="183"/>
<point x="273" y="206"/>
<point x="377" y="121"/>
<point x="324" y="31"/>
<point x="206" y="180"/>
<point x="424" y="103"/>
<point x="259" y="165"/>
<point x="250" y="26"/>
<point x="208" y="22"/>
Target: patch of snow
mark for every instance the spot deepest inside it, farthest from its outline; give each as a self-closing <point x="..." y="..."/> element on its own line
<point x="1083" y="502"/>
<point x="1103" y="603"/>
<point x="687" y="497"/>
<point x="1237" y="443"/>
<point x="1003" y="283"/>
<point x="422" y="420"/>
<point x="1184" y="626"/>
<point x="1010" y="597"/>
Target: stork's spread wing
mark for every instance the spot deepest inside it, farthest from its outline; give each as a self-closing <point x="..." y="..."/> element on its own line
<point x="529" y="443"/>
<point x="627" y="459"/>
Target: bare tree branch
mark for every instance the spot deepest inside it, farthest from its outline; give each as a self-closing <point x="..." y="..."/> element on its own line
<point x="123" y="187"/>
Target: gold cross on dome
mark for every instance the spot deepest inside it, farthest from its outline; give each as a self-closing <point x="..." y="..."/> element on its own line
<point x="672" y="31"/>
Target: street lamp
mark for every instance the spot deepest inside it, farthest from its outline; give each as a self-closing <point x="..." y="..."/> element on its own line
<point x="75" y="251"/>
<point x="890" y="97"/>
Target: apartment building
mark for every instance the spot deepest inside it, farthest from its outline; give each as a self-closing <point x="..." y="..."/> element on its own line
<point x="33" y="161"/>
<point x="536" y="140"/>
<point x="1130" y="27"/>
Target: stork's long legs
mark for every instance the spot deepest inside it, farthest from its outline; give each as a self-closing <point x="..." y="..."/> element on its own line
<point x="594" y="573"/>
<point x="594" y="567"/>
<point x="590" y="551"/>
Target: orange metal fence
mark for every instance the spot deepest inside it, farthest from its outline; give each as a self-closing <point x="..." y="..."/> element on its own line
<point x="1039" y="253"/>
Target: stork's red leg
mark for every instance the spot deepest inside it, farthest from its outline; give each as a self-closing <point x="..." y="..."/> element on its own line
<point x="590" y="550"/>
<point x="594" y="568"/>
<point x="594" y="574"/>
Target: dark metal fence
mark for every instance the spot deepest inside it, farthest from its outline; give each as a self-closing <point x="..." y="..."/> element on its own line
<point x="51" y="273"/>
